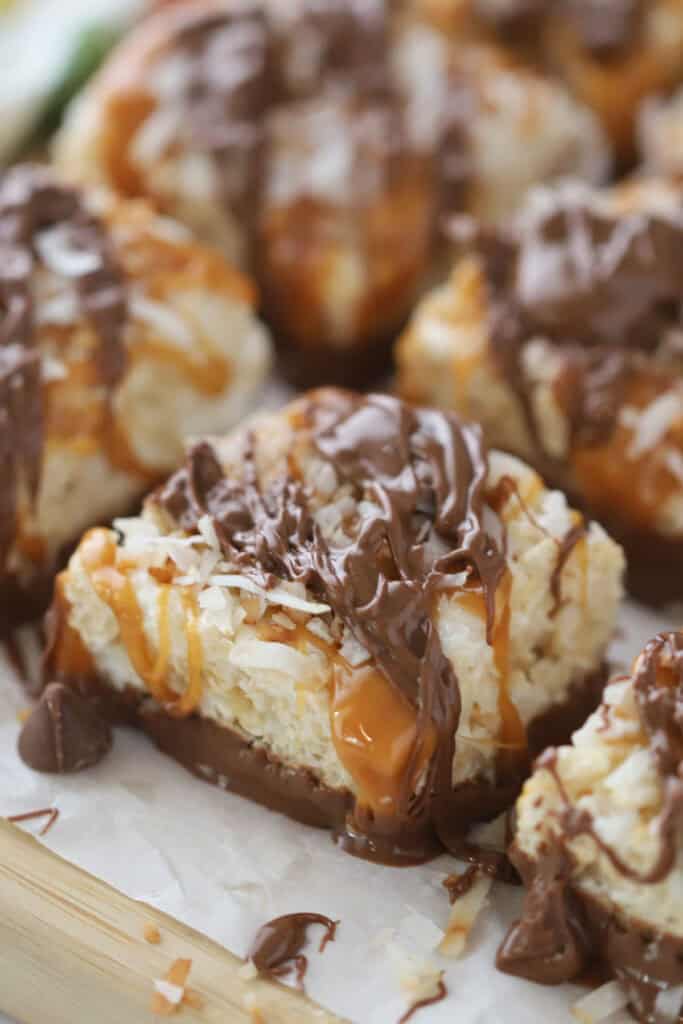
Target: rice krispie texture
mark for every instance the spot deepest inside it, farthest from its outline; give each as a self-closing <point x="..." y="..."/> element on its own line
<point x="123" y="337"/>
<point x="209" y="635"/>
<point x="607" y="811"/>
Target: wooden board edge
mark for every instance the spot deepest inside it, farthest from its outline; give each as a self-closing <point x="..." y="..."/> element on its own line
<point x="73" y="950"/>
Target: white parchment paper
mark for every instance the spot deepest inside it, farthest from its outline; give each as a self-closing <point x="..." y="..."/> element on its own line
<point x="225" y="866"/>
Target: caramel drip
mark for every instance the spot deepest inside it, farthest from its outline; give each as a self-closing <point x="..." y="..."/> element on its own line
<point x="67" y="656"/>
<point x="512" y="730"/>
<point x="192" y="695"/>
<point x="82" y="420"/>
<point x="113" y="586"/>
<point x="121" y="455"/>
<point x="512" y="734"/>
<point x="374" y="727"/>
<point x="126" y="112"/>
<point x="375" y="733"/>
<point x="209" y="377"/>
<point x="427" y="474"/>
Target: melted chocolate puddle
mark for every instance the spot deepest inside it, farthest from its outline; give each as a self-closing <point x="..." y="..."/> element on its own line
<point x="277" y="947"/>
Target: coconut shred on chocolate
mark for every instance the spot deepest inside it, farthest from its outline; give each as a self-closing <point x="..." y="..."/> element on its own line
<point x="604" y="289"/>
<point x="563" y="927"/>
<point x="425" y="474"/>
<point x="43" y="223"/>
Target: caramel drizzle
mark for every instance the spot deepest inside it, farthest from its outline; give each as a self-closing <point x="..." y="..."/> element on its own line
<point x="66" y="656"/>
<point x="103" y="562"/>
<point x="512" y="735"/>
<point x="372" y="724"/>
<point x="427" y="475"/>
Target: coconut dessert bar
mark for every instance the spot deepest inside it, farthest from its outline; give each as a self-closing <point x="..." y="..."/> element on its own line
<point x="599" y="844"/>
<point x="322" y="161"/>
<point x="119" y="335"/>
<point x="562" y="335"/>
<point x="612" y="54"/>
<point x="351" y="612"/>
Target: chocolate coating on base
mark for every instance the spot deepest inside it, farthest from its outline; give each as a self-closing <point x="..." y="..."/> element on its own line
<point x="561" y="925"/>
<point x="564" y="929"/>
<point x="64" y="733"/>
<point x="237" y="764"/>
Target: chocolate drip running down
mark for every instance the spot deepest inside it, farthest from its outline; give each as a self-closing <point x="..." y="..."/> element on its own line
<point x="33" y="203"/>
<point x="278" y="945"/>
<point x="561" y="927"/>
<point x="425" y="474"/>
<point x="603" y="289"/>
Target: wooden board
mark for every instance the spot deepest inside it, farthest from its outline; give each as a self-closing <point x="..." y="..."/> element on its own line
<point x="72" y="950"/>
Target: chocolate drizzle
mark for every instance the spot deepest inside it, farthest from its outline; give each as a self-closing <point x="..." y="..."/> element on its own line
<point x="254" y="75"/>
<point x="483" y="860"/>
<point x="277" y="947"/>
<point x="438" y="997"/>
<point x="32" y="202"/>
<point x="603" y="289"/>
<point x="604" y="28"/>
<point x="227" y="93"/>
<point x="561" y="926"/>
<point x="240" y="72"/>
<point x="424" y="473"/>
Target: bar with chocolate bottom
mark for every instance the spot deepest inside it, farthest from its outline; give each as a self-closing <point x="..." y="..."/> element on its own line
<point x="118" y="334"/>
<point x="599" y="844"/>
<point x="562" y="336"/>
<point x="350" y="612"/>
<point x="322" y="158"/>
<point x="612" y="54"/>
